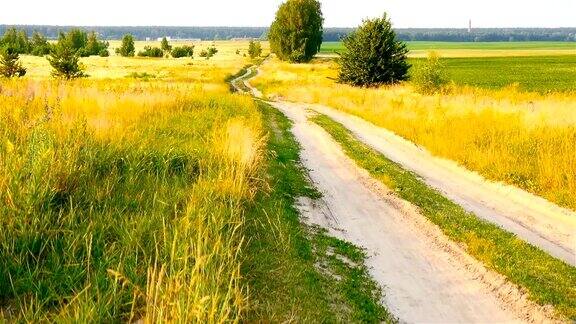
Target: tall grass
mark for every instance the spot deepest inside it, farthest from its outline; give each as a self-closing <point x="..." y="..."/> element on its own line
<point x="123" y="200"/>
<point x="524" y="139"/>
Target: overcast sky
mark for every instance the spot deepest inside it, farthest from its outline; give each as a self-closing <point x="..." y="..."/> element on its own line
<point x="337" y="13"/>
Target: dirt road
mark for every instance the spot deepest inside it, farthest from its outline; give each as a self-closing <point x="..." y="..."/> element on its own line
<point x="426" y="278"/>
<point x="532" y="218"/>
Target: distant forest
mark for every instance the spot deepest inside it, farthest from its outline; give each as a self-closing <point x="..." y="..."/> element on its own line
<point x="330" y="34"/>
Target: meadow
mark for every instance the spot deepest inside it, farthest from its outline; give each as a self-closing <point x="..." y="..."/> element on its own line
<point x="148" y="192"/>
<point x="522" y="138"/>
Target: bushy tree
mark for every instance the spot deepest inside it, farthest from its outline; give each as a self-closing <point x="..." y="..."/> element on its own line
<point x="64" y="60"/>
<point x="254" y="49"/>
<point x="76" y="38"/>
<point x="183" y="51"/>
<point x="296" y="33"/>
<point x="151" y="52"/>
<point x="16" y="40"/>
<point x="429" y="77"/>
<point x="127" y="48"/>
<point x="94" y="46"/>
<point x="10" y="65"/>
<point x="373" y="55"/>
<point x="39" y="45"/>
<point x="164" y="45"/>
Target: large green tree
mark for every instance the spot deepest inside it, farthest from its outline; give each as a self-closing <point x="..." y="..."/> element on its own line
<point x="16" y="40"/>
<point x="296" y="33"/>
<point x="373" y="55"/>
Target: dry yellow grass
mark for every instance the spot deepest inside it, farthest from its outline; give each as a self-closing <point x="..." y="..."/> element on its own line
<point x="133" y="189"/>
<point x="526" y="139"/>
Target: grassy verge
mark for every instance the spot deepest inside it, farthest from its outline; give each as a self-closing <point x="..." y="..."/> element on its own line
<point x="296" y="272"/>
<point x="548" y="281"/>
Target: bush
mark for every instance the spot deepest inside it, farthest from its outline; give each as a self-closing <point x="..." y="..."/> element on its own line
<point x="39" y="45"/>
<point x="16" y="41"/>
<point x="209" y="52"/>
<point x="151" y="52"/>
<point x="94" y="46"/>
<point x="296" y="33"/>
<point x="10" y="65"/>
<point x="254" y="49"/>
<point x="373" y="55"/>
<point x="429" y="77"/>
<point x="104" y="53"/>
<point x="184" y="51"/>
<point x="64" y="61"/>
<point x="164" y="45"/>
<point x="127" y="48"/>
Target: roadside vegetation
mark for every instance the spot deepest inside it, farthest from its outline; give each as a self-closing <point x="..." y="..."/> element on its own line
<point x="521" y="138"/>
<point x="548" y="280"/>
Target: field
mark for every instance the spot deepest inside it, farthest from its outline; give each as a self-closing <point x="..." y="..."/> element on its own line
<point x="525" y="139"/>
<point x="491" y="47"/>
<point x="150" y="192"/>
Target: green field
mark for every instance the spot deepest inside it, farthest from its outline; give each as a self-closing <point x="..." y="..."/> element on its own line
<point x="330" y="47"/>
<point x="532" y="73"/>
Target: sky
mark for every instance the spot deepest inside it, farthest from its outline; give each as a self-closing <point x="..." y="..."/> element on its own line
<point x="337" y="13"/>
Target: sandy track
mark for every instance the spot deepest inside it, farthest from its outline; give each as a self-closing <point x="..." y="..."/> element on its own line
<point x="425" y="276"/>
<point x="535" y="220"/>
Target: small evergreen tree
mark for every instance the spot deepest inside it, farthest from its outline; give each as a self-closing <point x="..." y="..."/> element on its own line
<point x="184" y="51"/>
<point x="16" y="40"/>
<point x="254" y="49"/>
<point x="10" y="65"/>
<point x="151" y="52"/>
<point x="65" y="61"/>
<point x="296" y="33"/>
<point x="429" y="77"/>
<point x="39" y="45"/>
<point x="373" y="55"/>
<point x="165" y="46"/>
<point x="94" y="46"/>
<point x="127" y="48"/>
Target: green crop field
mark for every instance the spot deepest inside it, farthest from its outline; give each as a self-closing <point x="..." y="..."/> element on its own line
<point x="330" y="47"/>
<point x="532" y="73"/>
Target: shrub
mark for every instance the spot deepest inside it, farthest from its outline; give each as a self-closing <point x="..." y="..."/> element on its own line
<point x="127" y="48"/>
<point x="209" y="52"/>
<point x="94" y="46"/>
<point x="164" y="45"/>
<point x="184" y="51"/>
<point x="16" y="40"/>
<point x="64" y="61"/>
<point x="296" y="33"/>
<point x="39" y="45"/>
<point x="151" y="52"/>
<point x="429" y="77"/>
<point x="254" y="49"/>
<point x="104" y="53"/>
<point x="373" y="55"/>
<point x="10" y="65"/>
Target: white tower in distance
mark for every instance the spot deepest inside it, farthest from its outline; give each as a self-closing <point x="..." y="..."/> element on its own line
<point x="470" y="25"/>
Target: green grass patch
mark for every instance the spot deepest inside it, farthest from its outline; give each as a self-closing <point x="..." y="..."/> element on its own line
<point x="297" y="272"/>
<point x="531" y="73"/>
<point x="330" y="47"/>
<point x="548" y="281"/>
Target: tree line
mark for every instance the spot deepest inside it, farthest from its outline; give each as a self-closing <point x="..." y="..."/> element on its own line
<point x="329" y="34"/>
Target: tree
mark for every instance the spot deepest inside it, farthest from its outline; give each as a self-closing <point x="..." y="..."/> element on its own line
<point x="254" y="49"/>
<point x="296" y="33"/>
<point x="165" y="46"/>
<point x="10" y="65"/>
<point x="16" y="40"/>
<point x="429" y="77"/>
<point x="373" y="55"/>
<point x="127" y="48"/>
<point x="39" y="45"/>
<point x="94" y="46"/>
<point x="65" y="61"/>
